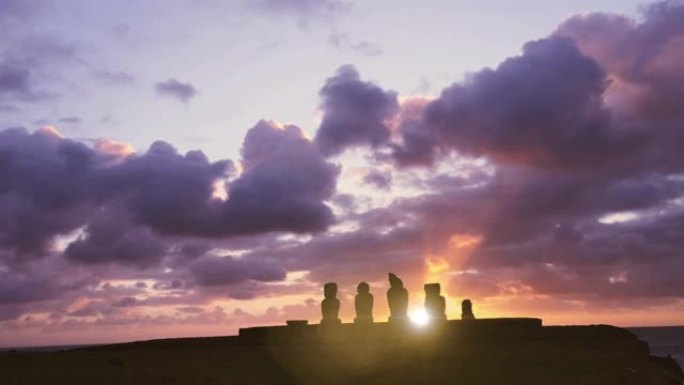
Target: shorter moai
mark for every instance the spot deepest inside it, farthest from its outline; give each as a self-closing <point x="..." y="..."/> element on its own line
<point x="435" y="304"/>
<point x="467" y="310"/>
<point x="397" y="298"/>
<point x="363" y="304"/>
<point x="330" y="306"/>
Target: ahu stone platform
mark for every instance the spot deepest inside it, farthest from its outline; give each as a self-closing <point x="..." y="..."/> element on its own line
<point x="299" y="332"/>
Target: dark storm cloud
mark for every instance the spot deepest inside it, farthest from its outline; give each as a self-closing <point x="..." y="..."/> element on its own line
<point x="355" y="112"/>
<point x="182" y="92"/>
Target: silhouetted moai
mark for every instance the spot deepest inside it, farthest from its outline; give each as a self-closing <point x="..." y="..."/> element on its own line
<point x="397" y="298"/>
<point x="330" y="306"/>
<point x="363" y="304"/>
<point x="435" y="304"/>
<point x="467" y="310"/>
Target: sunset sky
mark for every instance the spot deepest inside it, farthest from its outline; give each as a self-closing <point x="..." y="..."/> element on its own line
<point x="185" y="168"/>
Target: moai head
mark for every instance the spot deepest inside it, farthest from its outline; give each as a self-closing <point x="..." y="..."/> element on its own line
<point x="432" y="289"/>
<point x="363" y="288"/>
<point x="395" y="281"/>
<point x="330" y="290"/>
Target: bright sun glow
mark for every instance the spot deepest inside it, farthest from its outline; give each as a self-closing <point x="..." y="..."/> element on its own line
<point x="420" y="318"/>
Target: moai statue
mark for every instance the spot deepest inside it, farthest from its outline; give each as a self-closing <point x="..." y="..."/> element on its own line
<point x="435" y="304"/>
<point x="363" y="304"/>
<point x="467" y="310"/>
<point x="330" y="306"/>
<point x="397" y="298"/>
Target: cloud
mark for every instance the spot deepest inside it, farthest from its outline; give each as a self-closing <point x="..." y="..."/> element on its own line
<point x="380" y="180"/>
<point x="70" y="120"/>
<point x="121" y="201"/>
<point x="31" y="61"/>
<point x="221" y="271"/>
<point x="126" y="302"/>
<point x="642" y="57"/>
<point x="118" y="78"/>
<point x="44" y="188"/>
<point x="182" y="92"/>
<point x="543" y="107"/>
<point x="304" y="11"/>
<point x="111" y="237"/>
<point x="363" y="47"/>
<point x="355" y="112"/>
<point x="17" y="10"/>
<point x="166" y="190"/>
<point x="14" y="81"/>
<point x="284" y="185"/>
<point x="564" y="155"/>
<point x="554" y="176"/>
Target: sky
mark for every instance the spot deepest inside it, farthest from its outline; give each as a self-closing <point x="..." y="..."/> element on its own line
<point x="187" y="168"/>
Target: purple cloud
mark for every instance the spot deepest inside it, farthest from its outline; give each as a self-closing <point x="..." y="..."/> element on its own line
<point x="363" y="47"/>
<point x="119" y="78"/>
<point x="222" y="271"/>
<point x="110" y="237"/>
<point x="355" y="112"/>
<point x="380" y="180"/>
<point x="182" y="92"/>
<point x="304" y="11"/>
<point x="284" y="184"/>
<point x="566" y="179"/>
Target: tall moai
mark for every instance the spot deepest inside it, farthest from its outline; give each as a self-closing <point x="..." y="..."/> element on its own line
<point x="435" y="303"/>
<point x="330" y="306"/>
<point x="397" y="298"/>
<point x="363" y="304"/>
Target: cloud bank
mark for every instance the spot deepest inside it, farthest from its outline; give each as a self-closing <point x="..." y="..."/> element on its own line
<point x="557" y="175"/>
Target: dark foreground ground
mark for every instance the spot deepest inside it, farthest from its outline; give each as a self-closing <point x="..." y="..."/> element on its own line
<point x="547" y="355"/>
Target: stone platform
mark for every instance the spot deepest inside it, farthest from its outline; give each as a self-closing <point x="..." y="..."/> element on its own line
<point x="382" y="332"/>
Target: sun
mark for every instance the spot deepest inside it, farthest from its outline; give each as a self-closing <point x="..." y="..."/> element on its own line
<point x="420" y="318"/>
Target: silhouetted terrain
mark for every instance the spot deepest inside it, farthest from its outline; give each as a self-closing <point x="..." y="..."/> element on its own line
<point x="465" y="355"/>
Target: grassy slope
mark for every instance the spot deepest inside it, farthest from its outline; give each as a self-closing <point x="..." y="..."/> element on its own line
<point x="555" y="355"/>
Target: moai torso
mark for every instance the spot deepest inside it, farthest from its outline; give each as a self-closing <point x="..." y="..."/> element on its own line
<point x="467" y="310"/>
<point x="330" y="306"/>
<point x="363" y="304"/>
<point x="397" y="298"/>
<point x="435" y="304"/>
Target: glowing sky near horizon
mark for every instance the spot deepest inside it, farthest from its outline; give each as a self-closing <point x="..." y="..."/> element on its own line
<point x="340" y="140"/>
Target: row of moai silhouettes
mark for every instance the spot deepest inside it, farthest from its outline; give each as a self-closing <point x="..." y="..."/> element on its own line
<point x="397" y="298"/>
